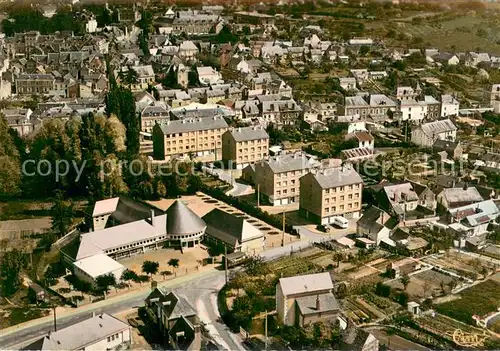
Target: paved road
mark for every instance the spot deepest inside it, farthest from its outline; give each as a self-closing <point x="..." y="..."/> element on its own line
<point x="200" y="289"/>
<point x="225" y="175"/>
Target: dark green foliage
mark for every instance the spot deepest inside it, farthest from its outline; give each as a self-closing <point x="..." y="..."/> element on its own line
<point x="174" y="262"/>
<point x="383" y="289"/>
<point x="129" y="275"/>
<point x="104" y="281"/>
<point x="402" y="298"/>
<point x="150" y="267"/>
<point x="62" y="213"/>
<point x="11" y="264"/>
<point x="25" y="20"/>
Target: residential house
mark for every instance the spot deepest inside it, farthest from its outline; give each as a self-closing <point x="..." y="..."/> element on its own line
<point x="281" y="112"/>
<point x="234" y="232"/>
<point x="412" y="110"/>
<point x="453" y="149"/>
<point x="433" y="107"/>
<point x="403" y="267"/>
<point x="332" y="192"/>
<point x="34" y="84"/>
<point x="99" y="332"/>
<point x="451" y="198"/>
<point x="426" y="134"/>
<point x="215" y="96"/>
<point x="449" y="106"/>
<point x="475" y="217"/>
<point x="355" y="108"/>
<point x="376" y="224"/>
<point x="494" y="94"/>
<point x="208" y="75"/>
<point x="152" y="115"/>
<point x="244" y="146"/>
<point x="408" y="93"/>
<point x="188" y="51"/>
<point x="306" y="299"/>
<point x="175" y="317"/>
<point x="196" y="136"/>
<point x="20" y="120"/>
<point x="357" y="339"/>
<point x="380" y="105"/>
<point x="446" y="58"/>
<point x="348" y="83"/>
<point x="404" y="198"/>
<point x="277" y="178"/>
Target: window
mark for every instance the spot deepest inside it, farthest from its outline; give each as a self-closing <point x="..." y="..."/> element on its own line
<point x="342" y="198"/>
<point x="327" y="209"/>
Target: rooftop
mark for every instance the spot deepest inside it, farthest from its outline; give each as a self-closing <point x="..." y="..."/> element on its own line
<point x="248" y="133"/>
<point x="309" y="283"/>
<point x="98" y="265"/>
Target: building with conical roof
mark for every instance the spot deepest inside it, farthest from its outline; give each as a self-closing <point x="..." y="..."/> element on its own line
<point x="184" y="225"/>
<point x="124" y="227"/>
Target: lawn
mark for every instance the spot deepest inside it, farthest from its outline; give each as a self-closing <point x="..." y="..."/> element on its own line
<point x="480" y="299"/>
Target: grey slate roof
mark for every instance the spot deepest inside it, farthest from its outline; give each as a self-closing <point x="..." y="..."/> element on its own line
<point x="248" y="133"/>
<point x="308" y="283"/>
<point x="182" y="220"/>
<point x="327" y="303"/>
<point x="193" y="124"/>
<point x="80" y="334"/>
<point x="228" y="227"/>
<point x="437" y="127"/>
<point x="291" y="162"/>
<point x="334" y="177"/>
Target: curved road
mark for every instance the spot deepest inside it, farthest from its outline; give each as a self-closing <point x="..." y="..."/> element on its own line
<point x="200" y="289"/>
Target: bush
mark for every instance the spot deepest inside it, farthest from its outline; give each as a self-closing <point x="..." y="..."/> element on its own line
<point x="383" y="289"/>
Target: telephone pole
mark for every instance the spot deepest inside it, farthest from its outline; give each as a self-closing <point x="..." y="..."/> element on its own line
<point x="225" y="261"/>
<point x="258" y="195"/>
<point x="265" y="327"/>
<point x="55" y="317"/>
<point x="283" y="234"/>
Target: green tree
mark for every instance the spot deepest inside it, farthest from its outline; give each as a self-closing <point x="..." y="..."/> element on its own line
<point x="11" y="264"/>
<point x="150" y="267"/>
<point x="405" y="280"/>
<point x="105" y="281"/>
<point x="173" y="262"/>
<point x="62" y="214"/>
<point x="129" y="275"/>
<point x="165" y="274"/>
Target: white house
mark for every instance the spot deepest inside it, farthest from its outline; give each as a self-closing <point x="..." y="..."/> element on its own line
<point x="100" y="332"/>
<point x="91" y="26"/>
<point x="412" y="110"/>
<point x="208" y="75"/>
<point x="449" y="106"/>
<point x="89" y="268"/>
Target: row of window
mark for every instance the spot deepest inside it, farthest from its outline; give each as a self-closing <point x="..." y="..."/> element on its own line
<point x="252" y="157"/>
<point x="342" y="189"/>
<point x="187" y="147"/>
<point x="252" y="149"/>
<point x="113" y="337"/>
<point x="342" y="197"/>
<point x="285" y="191"/>
<point x="193" y="140"/>
<point x="139" y="243"/>
<point x="291" y="173"/>
<point x="253" y="142"/>
<point x="193" y="133"/>
<point x="341" y="207"/>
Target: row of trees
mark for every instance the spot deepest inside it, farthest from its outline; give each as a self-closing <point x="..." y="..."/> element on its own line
<point x="105" y="281"/>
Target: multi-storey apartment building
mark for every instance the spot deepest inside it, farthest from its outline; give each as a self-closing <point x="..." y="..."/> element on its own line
<point x="329" y="193"/>
<point x="356" y="107"/>
<point x="277" y="178"/>
<point x="433" y="107"/>
<point x="32" y="84"/>
<point x="426" y="134"/>
<point x="243" y="146"/>
<point x="152" y="115"/>
<point x="196" y="136"/>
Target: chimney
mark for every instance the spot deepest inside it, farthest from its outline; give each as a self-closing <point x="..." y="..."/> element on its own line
<point x="152" y="217"/>
<point x="93" y="314"/>
<point x="318" y="306"/>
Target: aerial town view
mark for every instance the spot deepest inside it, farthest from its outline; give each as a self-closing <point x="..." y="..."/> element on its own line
<point x="250" y="175"/>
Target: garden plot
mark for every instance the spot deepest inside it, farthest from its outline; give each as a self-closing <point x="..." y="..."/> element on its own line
<point x="480" y="299"/>
<point x="426" y="284"/>
<point x="460" y="264"/>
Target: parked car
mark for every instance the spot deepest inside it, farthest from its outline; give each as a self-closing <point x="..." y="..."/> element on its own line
<point x="323" y="228"/>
